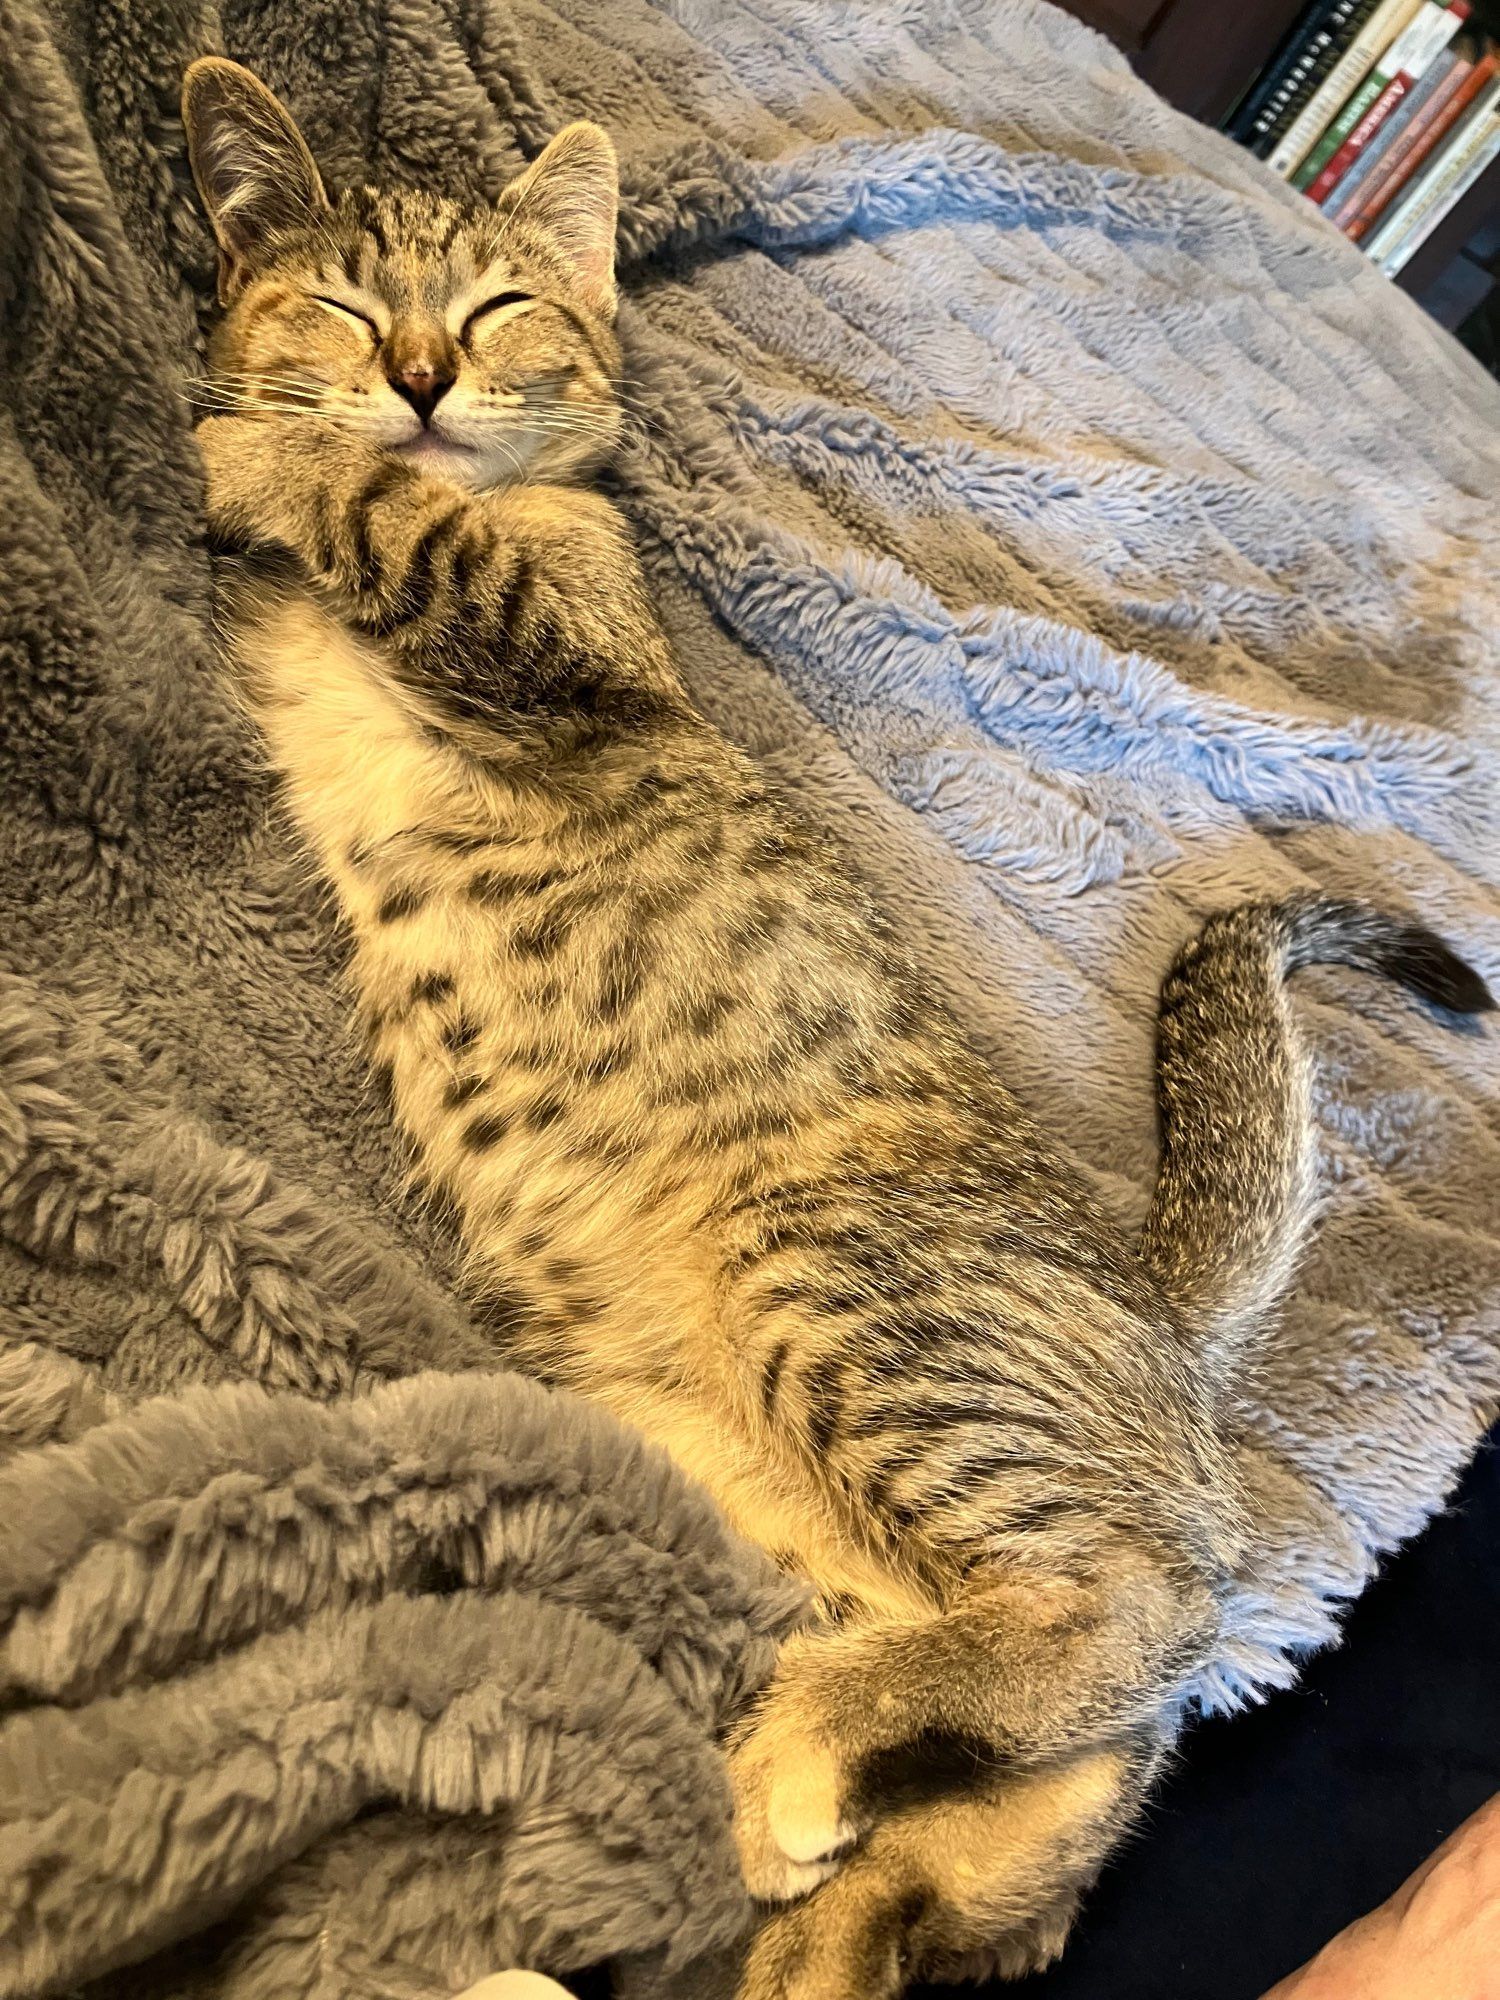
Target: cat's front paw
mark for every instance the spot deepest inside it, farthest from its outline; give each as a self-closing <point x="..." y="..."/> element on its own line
<point x="274" y="479"/>
<point x="1030" y="1947"/>
<point x="789" y="1819"/>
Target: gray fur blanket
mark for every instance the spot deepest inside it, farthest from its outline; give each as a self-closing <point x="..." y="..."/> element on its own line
<point x="1063" y="514"/>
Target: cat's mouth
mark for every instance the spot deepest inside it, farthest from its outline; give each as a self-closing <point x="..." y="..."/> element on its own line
<point x="444" y="458"/>
<point x="493" y="455"/>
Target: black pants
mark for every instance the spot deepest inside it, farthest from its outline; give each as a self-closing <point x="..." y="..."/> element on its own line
<point x="1281" y="1826"/>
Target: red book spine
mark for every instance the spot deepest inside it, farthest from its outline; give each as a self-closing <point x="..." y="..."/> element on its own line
<point x="1382" y="196"/>
<point x="1373" y="119"/>
<point x="1360" y="137"/>
<point x="1342" y="213"/>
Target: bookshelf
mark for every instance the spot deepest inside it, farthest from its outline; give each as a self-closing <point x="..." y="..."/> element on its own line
<point x="1202" y="55"/>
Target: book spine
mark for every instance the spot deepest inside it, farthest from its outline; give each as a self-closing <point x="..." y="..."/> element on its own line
<point x="1422" y="141"/>
<point x="1240" y="122"/>
<point x="1303" y="140"/>
<point x="1334" y="55"/>
<point x="1478" y="163"/>
<point x="1311" y="170"/>
<point x="1460" y="164"/>
<point x="1436" y="171"/>
<point x="1406" y="60"/>
<point x="1302" y="78"/>
<point x="1350" y="192"/>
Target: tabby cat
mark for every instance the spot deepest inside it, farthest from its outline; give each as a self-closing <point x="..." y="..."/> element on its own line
<point x="719" y="1158"/>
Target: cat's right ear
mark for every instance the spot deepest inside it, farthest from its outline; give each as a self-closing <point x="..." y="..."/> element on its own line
<point x="253" y="169"/>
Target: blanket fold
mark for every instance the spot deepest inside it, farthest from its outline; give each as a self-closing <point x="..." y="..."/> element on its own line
<point x="1057" y="508"/>
<point x="240" y="1620"/>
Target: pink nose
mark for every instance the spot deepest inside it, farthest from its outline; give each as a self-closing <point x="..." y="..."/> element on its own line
<point x="424" y="385"/>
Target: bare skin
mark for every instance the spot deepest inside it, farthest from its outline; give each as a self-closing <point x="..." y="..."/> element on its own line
<point x="1437" y="1938"/>
<point x="515" y="1986"/>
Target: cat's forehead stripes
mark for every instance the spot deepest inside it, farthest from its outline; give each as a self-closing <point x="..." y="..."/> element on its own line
<point x="429" y="262"/>
<point x="415" y="252"/>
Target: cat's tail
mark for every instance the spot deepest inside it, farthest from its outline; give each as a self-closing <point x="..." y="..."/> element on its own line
<point x="1237" y="1191"/>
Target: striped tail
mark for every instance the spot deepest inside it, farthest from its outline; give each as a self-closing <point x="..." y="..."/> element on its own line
<point x="1237" y="1191"/>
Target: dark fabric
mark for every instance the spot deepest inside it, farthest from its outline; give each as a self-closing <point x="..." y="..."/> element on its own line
<point x="1280" y="1827"/>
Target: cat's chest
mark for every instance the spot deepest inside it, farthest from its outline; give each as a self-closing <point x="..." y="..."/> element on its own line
<point x="356" y="769"/>
<point x="399" y="818"/>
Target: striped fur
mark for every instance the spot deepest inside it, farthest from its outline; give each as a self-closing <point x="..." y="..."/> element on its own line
<point x="718" y="1157"/>
<point x="1237" y="1193"/>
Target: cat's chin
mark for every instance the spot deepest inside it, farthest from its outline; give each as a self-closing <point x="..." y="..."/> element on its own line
<point x="460" y="464"/>
<point x="477" y="469"/>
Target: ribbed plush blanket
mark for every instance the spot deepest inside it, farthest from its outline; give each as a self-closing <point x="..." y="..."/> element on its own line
<point x="1058" y="509"/>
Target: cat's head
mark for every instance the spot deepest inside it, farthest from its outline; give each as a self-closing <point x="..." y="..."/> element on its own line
<point x="476" y="342"/>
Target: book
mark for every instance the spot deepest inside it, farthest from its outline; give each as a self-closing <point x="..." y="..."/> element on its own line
<point x="1453" y="171"/>
<point x="1425" y="136"/>
<point x="1372" y="40"/>
<point x="1346" y="197"/>
<point x="1298" y="88"/>
<point x="1407" y="59"/>
<point x="1347" y="112"/>
<point x="1241" y="122"/>
<point x="1415" y="197"/>
<point x="1301" y="76"/>
<point x="1480" y="163"/>
<point x="1469" y="153"/>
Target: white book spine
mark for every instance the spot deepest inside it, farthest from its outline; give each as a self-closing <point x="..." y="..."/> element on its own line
<point x="1457" y="174"/>
<point x="1351" y="69"/>
<point x="1419" y="45"/>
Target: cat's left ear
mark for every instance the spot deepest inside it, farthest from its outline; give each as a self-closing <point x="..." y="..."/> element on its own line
<point x="253" y="167"/>
<point x="571" y="194"/>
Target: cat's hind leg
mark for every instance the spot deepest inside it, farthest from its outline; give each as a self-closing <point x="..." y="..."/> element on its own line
<point x="1021" y="1669"/>
<point x="982" y="1884"/>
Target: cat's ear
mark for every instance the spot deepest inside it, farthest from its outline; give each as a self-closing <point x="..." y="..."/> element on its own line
<point x="571" y="194"/>
<point x="253" y="169"/>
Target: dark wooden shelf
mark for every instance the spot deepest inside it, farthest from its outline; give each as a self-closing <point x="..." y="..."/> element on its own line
<point x="1200" y="54"/>
<point x="1465" y="231"/>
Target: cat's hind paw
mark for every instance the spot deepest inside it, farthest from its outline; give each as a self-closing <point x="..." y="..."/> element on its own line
<point x="788" y="1821"/>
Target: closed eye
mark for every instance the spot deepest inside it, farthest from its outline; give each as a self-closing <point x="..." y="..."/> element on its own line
<point x="347" y="312"/>
<point x="497" y="304"/>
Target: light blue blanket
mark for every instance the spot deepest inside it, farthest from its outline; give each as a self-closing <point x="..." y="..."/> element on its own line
<point x="1075" y="521"/>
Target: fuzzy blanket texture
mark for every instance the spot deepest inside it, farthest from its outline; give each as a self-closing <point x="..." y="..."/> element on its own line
<point x="1060" y="511"/>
